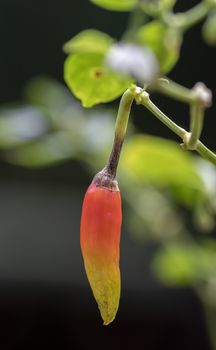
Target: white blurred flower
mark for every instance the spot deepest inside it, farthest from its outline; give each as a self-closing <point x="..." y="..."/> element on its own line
<point x="133" y="60"/>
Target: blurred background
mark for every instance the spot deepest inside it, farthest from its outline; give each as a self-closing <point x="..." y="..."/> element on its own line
<point x="50" y="148"/>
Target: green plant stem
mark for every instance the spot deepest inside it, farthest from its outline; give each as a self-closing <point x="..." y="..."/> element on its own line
<point x="189" y="18"/>
<point x="145" y="101"/>
<point x="143" y="98"/>
<point x="123" y="114"/>
<point x="205" y="152"/>
<point x="182" y="21"/>
<point x="120" y="130"/>
<point x="176" y="91"/>
<point x="198" y="98"/>
<point x="196" y="123"/>
<point x="136" y="20"/>
<point x="148" y="8"/>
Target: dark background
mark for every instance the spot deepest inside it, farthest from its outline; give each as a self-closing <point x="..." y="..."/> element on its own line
<point x="45" y="302"/>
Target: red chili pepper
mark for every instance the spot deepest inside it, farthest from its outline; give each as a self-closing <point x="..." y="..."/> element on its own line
<point x="100" y="237"/>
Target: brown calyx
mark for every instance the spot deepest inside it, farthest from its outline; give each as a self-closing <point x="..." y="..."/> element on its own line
<point x="105" y="179"/>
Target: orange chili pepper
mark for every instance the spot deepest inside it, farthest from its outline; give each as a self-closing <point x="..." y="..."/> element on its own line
<point x="100" y="237"/>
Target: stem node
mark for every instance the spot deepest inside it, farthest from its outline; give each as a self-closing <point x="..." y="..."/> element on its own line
<point x="202" y="95"/>
<point x="187" y="145"/>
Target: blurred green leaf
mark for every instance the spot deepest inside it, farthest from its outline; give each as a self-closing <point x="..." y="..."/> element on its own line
<point x="47" y="151"/>
<point x="90" y="80"/>
<point x="166" y="4"/>
<point x="210" y="245"/>
<point x="164" y="42"/>
<point x="159" y="162"/>
<point x="60" y="108"/>
<point x="207" y="171"/>
<point x="144" y="202"/>
<point x="204" y="216"/>
<point x="98" y="132"/>
<point x="48" y="93"/>
<point x="184" y="264"/>
<point x="54" y="129"/>
<point x="89" y="41"/>
<point x="116" y="5"/>
<point x="209" y="29"/>
<point x="20" y="125"/>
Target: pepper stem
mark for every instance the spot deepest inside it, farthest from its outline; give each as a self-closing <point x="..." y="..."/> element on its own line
<point x="120" y="130"/>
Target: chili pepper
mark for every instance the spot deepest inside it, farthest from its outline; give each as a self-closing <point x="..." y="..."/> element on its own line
<point x="100" y="238"/>
<point x="101" y="224"/>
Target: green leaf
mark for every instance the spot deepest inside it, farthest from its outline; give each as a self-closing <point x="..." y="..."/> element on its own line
<point x="177" y="265"/>
<point x="184" y="264"/>
<point x="48" y="93"/>
<point x="50" y="150"/>
<point x="162" y="163"/>
<point x="144" y="202"/>
<point x="116" y="5"/>
<point x="91" y="81"/>
<point x="164" y="42"/>
<point x="89" y="41"/>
